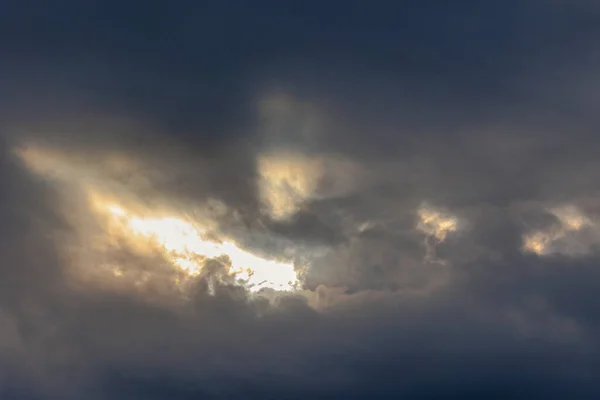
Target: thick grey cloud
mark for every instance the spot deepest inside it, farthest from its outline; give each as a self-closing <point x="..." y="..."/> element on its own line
<point x="430" y="167"/>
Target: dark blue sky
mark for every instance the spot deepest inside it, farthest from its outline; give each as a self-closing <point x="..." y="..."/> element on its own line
<point x="429" y="167"/>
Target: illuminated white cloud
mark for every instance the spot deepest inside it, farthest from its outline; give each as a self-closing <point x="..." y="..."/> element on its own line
<point x="436" y="225"/>
<point x="185" y="242"/>
<point x="287" y="181"/>
<point x="185" y="246"/>
<point x="562" y="237"/>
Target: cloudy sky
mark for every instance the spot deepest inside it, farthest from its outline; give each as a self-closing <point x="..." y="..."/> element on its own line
<point x="311" y="200"/>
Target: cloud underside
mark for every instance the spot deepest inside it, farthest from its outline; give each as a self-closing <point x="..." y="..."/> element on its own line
<point x="301" y="223"/>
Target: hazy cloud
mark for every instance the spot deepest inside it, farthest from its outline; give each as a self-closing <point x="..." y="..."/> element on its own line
<point x="314" y="202"/>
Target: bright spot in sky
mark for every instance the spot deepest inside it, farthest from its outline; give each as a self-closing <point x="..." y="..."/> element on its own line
<point x="537" y="242"/>
<point x="182" y="242"/>
<point x="435" y="223"/>
<point x="571" y="218"/>
<point x="542" y="242"/>
<point x="286" y="181"/>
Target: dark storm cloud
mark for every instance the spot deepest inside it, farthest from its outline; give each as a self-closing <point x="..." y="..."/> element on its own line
<point x="482" y="113"/>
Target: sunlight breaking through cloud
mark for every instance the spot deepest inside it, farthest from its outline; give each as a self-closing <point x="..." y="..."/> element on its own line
<point x="287" y="181"/>
<point x="182" y="241"/>
<point x="436" y="225"/>
<point x="184" y="245"/>
<point x="545" y="242"/>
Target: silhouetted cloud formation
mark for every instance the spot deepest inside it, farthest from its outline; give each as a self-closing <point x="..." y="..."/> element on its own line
<point x="262" y="200"/>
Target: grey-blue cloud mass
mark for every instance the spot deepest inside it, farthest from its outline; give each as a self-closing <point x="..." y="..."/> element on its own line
<point x="484" y="112"/>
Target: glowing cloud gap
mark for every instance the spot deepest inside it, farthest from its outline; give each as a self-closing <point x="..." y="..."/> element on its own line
<point x="183" y="244"/>
<point x="436" y="226"/>
<point x="287" y="181"/>
<point x="544" y="242"/>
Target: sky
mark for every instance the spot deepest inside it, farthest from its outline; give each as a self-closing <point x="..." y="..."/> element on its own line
<point x="328" y="200"/>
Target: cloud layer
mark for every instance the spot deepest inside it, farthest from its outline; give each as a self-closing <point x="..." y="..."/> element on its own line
<point x="425" y="175"/>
